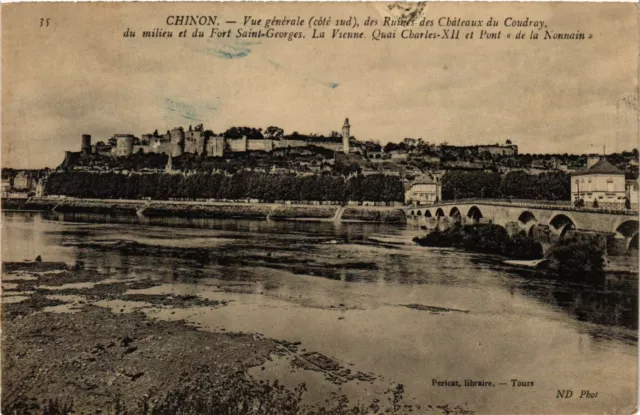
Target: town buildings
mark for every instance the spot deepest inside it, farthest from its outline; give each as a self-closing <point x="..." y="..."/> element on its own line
<point x="6" y="187"/>
<point x="22" y="181"/>
<point x="600" y="183"/>
<point x="23" y="185"/>
<point x="507" y="149"/>
<point x="425" y="190"/>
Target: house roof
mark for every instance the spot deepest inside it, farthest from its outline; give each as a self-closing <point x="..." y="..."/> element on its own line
<point x="425" y="179"/>
<point x="601" y="167"/>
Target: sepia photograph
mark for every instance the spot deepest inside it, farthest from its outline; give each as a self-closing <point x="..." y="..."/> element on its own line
<point x="321" y="208"/>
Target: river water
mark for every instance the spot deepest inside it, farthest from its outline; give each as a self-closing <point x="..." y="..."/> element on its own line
<point x="363" y="295"/>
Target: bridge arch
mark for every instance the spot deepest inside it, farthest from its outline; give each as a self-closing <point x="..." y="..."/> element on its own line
<point x="413" y="213"/>
<point x="527" y="217"/>
<point x="427" y="213"/>
<point x="562" y="222"/>
<point x="419" y="213"/>
<point x="474" y="213"/>
<point x="633" y="243"/>
<point x="627" y="229"/>
<point x="440" y="213"/>
<point x="455" y="214"/>
<point x="527" y="222"/>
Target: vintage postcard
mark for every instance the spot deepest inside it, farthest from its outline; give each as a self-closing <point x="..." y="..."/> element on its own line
<point x="319" y="208"/>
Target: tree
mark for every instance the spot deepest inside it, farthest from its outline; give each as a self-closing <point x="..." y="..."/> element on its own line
<point x="577" y="258"/>
<point x="274" y="133"/>
<point x="239" y="132"/>
<point x="473" y="184"/>
<point x="516" y="184"/>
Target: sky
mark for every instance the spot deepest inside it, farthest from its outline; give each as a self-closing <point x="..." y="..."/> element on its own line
<point x="81" y="76"/>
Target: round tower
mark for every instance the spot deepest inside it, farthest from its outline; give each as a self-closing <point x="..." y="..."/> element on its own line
<point x="177" y="142"/>
<point x="346" y="133"/>
<point x="86" y="144"/>
<point x="124" y="145"/>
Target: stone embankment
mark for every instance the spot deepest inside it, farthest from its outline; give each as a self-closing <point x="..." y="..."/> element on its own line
<point x="221" y="210"/>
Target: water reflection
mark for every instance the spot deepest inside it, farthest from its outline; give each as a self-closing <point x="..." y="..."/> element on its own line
<point x="612" y="303"/>
<point x="337" y="252"/>
<point x="293" y="280"/>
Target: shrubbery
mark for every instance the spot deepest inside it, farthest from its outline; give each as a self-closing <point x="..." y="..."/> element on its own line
<point x="486" y="239"/>
<point x="576" y="257"/>
<point x="522" y="247"/>
<point x="238" y="394"/>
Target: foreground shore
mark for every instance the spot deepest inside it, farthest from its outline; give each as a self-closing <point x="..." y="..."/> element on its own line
<point x="97" y="354"/>
<point x="221" y="210"/>
<point x="90" y="358"/>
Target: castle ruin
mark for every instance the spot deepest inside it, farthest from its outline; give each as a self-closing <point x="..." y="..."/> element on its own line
<point x="200" y="142"/>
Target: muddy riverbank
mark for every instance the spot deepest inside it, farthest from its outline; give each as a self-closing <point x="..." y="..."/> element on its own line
<point x="77" y="341"/>
<point x="90" y="357"/>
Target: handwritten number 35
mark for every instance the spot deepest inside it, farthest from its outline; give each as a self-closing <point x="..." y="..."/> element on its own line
<point x="44" y="22"/>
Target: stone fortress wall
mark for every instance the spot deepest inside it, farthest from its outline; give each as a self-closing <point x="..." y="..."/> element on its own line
<point x="195" y="141"/>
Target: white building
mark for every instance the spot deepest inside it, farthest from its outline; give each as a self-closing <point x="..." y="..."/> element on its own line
<point x="6" y="187"/>
<point x="22" y="181"/>
<point x="633" y="187"/>
<point x="425" y="190"/>
<point x="601" y="181"/>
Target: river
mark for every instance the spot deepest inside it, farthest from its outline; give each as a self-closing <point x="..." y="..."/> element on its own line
<point x="365" y="296"/>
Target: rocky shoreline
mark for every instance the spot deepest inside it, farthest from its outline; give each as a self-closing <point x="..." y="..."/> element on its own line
<point x="219" y="210"/>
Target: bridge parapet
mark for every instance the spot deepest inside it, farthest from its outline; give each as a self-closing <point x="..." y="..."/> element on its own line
<point x="531" y="204"/>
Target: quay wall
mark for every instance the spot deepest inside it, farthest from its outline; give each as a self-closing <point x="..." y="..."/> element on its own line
<point x="237" y="210"/>
<point x="373" y="214"/>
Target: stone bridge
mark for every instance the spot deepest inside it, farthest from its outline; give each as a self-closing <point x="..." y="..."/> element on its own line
<point x="543" y="220"/>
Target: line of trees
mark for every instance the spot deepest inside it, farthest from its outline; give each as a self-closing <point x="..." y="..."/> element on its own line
<point x="516" y="185"/>
<point x="243" y="185"/>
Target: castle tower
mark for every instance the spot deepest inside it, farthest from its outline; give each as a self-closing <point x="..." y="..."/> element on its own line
<point x="346" y="133"/>
<point x="177" y="141"/>
<point x="124" y="145"/>
<point x="86" y="144"/>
